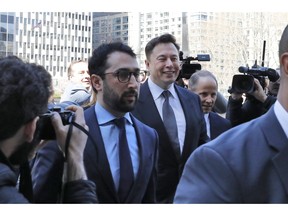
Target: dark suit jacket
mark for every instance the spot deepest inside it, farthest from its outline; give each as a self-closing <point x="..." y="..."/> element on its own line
<point x="218" y="125"/>
<point x="98" y="169"/>
<point x="47" y="168"/>
<point x="169" y="166"/>
<point x="247" y="164"/>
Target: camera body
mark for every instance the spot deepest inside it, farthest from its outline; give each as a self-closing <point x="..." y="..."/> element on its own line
<point x="189" y="68"/>
<point x="245" y="83"/>
<point x="45" y="129"/>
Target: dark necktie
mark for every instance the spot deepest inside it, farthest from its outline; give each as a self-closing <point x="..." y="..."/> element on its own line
<point x="126" y="169"/>
<point x="169" y="121"/>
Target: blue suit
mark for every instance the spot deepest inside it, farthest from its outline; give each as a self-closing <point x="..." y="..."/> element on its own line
<point x="170" y="167"/>
<point x="247" y="164"/>
<point x="218" y="125"/>
<point x="48" y="166"/>
<point x="98" y="169"/>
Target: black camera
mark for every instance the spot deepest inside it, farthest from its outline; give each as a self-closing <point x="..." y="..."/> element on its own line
<point x="245" y="83"/>
<point x="189" y="68"/>
<point x="45" y="129"/>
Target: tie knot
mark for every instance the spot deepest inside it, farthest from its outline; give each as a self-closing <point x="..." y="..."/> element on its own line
<point x="166" y="94"/>
<point x="119" y="122"/>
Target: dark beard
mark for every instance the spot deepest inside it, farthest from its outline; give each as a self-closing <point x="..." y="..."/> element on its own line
<point x="23" y="152"/>
<point x="118" y="103"/>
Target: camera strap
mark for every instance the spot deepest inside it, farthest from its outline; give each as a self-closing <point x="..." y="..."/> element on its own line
<point x="67" y="142"/>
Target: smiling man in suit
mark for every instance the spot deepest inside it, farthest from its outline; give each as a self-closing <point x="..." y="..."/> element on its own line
<point x="189" y="130"/>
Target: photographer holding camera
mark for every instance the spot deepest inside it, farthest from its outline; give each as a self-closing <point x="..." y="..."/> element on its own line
<point x="256" y="103"/>
<point x="25" y="89"/>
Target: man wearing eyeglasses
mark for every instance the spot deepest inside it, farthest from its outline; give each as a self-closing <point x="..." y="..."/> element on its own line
<point x="115" y="76"/>
<point x="120" y="159"/>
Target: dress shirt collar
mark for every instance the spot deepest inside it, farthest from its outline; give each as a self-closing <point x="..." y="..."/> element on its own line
<point x="282" y="116"/>
<point x="156" y="91"/>
<point x="105" y="117"/>
<point x="206" y="117"/>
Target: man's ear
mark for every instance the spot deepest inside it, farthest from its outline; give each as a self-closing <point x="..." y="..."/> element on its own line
<point x="284" y="63"/>
<point x="96" y="82"/>
<point x="147" y="63"/>
<point x="30" y="128"/>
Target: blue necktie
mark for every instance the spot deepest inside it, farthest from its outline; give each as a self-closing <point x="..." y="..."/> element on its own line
<point x="126" y="169"/>
<point x="170" y="124"/>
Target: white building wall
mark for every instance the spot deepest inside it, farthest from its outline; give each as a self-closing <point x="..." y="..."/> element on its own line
<point x="54" y="39"/>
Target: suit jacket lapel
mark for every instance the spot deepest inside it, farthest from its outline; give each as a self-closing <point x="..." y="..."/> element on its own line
<point x="188" y="107"/>
<point x="145" y="158"/>
<point x="146" y="102"/>
<point x="280" y="162"/>
<point x="99" y="160"/>
<point x="213" y="130"/>
<point x="278" y="142"/>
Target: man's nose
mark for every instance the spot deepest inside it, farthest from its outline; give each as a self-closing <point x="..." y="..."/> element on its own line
<point x="133" y="82"/>
<point x="168" y="63"/>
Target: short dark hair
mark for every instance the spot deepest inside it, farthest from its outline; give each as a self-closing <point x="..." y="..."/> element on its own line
<point x="165" y="38"/>
<point x="25" y="89"/>
<point x="97" y="63"/>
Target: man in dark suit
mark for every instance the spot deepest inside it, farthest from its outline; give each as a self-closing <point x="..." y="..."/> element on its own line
<point x="205" y="84"/>
<point x="162" y="62"/>
<point x="115" y="76"/>
<point x="248" y="163"/>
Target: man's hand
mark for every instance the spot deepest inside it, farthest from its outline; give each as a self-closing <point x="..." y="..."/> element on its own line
<point x="236" y="96"/>
<point x="259" y="93"/>
<point x="77" y="143"/>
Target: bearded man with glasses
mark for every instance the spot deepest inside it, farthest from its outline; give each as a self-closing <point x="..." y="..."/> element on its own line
<point x="115" y="77"/>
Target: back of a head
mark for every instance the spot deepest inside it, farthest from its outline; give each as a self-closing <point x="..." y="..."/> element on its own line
<point x="25" y="89"/>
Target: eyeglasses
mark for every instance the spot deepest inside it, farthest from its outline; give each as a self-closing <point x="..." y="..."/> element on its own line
<point x="124" y="75"/>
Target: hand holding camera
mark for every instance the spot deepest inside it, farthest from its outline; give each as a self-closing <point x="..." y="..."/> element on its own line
<point x="259" y="92"/>
<point x="45" y="127"/>
<point x="66" y="123"/>
<point x="78" y="138"/>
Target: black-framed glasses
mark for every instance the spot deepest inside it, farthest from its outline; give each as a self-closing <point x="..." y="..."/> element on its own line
<point x="124" y="75"/>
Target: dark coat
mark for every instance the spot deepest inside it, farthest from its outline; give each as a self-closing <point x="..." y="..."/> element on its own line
<point x="8" y="190"/>
<point x="98" y="169"/>
<point x="218" y="125"/>
<point x="169" y="166"/>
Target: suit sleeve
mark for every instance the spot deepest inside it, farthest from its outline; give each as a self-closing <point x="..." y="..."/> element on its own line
<point x="207" y="178"/>
<point x="46" y="173"/>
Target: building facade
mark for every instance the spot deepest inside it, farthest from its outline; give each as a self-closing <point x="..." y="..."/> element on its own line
<point x="53" y="39"/>
<point x="7" y="34"/>
<point x="231" y="39"/>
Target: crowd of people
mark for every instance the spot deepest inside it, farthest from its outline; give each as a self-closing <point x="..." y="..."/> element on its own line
<point x="126" y="135"/>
